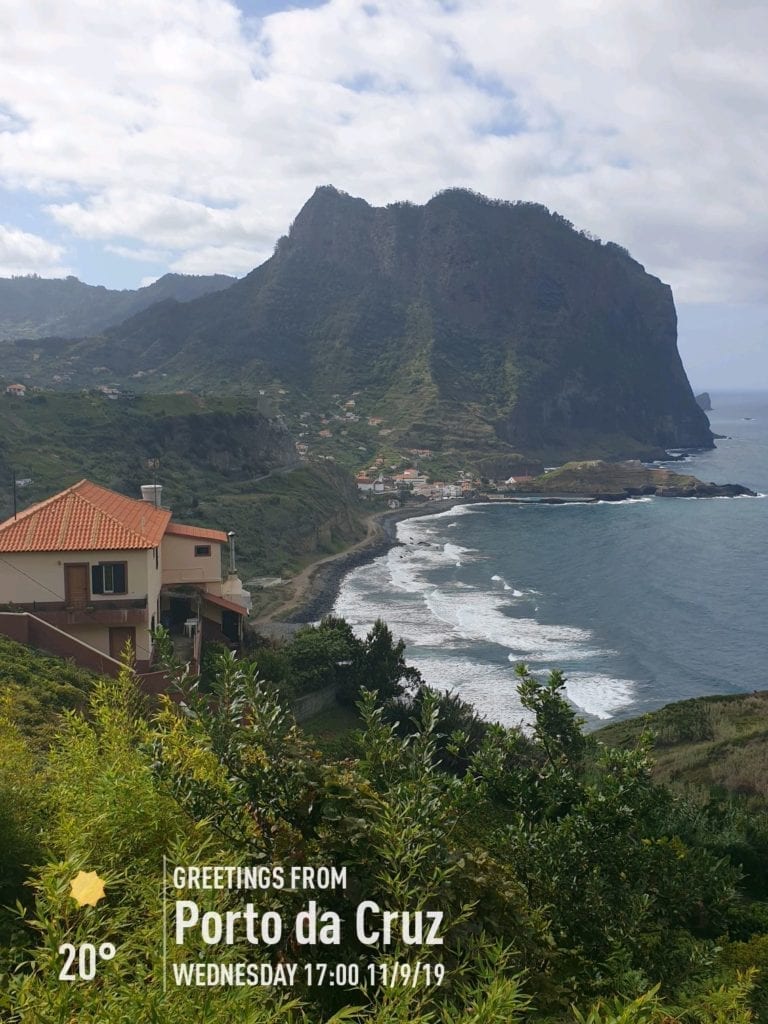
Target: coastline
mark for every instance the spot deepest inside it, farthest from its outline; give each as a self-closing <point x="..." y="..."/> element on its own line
<point x="318" y="584"/>
<point x="315" y="588"/>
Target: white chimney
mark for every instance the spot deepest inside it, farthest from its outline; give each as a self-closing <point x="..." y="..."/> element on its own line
<point x="152" y="493"/>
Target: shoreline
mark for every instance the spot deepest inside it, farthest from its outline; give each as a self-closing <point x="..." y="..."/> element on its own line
<point x="317" y="586"/>
<point x="319" y="583"/>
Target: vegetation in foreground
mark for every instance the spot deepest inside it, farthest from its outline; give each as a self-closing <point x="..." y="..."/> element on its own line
<point x="575" y="888"/>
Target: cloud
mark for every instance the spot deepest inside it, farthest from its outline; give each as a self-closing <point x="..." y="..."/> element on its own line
<point x="180" y="129"/>
<point x="141" y="255"/>
<point x="24" y="253"/>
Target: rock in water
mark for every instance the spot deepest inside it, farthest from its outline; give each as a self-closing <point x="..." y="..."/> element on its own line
<point x="704" y="401"/>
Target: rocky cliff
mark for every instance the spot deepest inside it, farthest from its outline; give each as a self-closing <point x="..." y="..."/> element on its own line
<point x="467" y="323"/>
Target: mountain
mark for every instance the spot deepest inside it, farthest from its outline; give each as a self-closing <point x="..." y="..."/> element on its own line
<point x="36" y="307"/>
<point x="466" y="324"/>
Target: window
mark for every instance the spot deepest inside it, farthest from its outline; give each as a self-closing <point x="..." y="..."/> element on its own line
<point x="202" y="550"/>
<point x="109" y="578"/>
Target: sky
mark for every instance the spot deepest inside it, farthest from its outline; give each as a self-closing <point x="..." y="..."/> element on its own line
<point x="153" y="135"/>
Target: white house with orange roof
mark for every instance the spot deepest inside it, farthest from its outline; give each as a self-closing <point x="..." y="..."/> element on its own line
<point x="107" y="569"/>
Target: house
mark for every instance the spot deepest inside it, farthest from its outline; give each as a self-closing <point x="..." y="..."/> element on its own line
<point x="383" y="484"/>
<point x="107" y="569"/>
<point x="19" y="390"/>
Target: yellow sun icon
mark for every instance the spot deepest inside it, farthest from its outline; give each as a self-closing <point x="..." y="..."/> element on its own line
<point x="87" y="888"/>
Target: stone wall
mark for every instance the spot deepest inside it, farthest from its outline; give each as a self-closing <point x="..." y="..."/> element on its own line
<point x="313" y="703"/>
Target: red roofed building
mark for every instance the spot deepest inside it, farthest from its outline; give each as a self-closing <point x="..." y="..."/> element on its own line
<point x="107" y="569"/>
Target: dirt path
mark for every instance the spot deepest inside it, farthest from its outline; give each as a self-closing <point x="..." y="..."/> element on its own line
<point x="296" y="590"/>
<point x="311" y="594"/>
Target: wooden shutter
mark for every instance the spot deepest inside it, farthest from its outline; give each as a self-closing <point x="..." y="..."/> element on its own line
<point x="119" y="575"/>
<point x="97" y="580"/>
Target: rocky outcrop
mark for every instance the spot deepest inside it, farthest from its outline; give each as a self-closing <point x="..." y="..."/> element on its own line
<point x="704" y="402"/>
<point x="616" y="481"/>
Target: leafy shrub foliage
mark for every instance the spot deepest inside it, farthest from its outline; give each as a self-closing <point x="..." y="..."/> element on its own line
<point x="574" y="888"/>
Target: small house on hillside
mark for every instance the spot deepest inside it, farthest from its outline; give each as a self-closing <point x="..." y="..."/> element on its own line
<point x="107" y="569"/>
<point x="19" y="390"/>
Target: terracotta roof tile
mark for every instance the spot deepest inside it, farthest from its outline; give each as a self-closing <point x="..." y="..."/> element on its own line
<point x="201" y="532"/>
<point x="85" y="517"/>
<point x="222" y="602"/>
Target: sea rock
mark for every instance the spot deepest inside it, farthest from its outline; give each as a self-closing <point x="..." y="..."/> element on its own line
<point x="704" y="401"/>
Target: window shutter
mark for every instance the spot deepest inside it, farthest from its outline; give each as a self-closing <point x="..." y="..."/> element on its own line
<point x="97" y="580"/>
<point x="118" y="570"/>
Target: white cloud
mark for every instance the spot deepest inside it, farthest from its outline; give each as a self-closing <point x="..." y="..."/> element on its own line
<point x="172" y="127"/>
<point x="141" y="255"/>
<point x="24" y="253"/>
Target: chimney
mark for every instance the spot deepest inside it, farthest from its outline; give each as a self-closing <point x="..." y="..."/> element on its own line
<point x="152" y="493"/>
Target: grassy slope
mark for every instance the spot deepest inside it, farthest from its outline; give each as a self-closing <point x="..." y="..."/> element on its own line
<point x="35" y="688"/>
<point x="285" y="521"/>
<point x="715" y="744"/>
<point x="588" y="477"/>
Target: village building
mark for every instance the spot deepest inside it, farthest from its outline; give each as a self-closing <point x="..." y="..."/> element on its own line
<point x="19" y="390"/>
<point x="105" y="570"/>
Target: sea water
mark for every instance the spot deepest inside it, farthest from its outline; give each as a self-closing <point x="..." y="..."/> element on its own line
<point x="639" y="603"/>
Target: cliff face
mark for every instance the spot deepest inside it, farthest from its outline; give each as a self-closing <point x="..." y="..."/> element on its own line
<point x="470" y="323"/>
<point x="503" y="313"/>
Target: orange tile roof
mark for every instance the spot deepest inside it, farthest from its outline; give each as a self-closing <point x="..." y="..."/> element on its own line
<point x="224" y="603"/>
<point x="182" y="530"/>
<point x="85" y="517"/>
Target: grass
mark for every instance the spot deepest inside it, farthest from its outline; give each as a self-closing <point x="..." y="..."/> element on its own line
<point x="331" y="730"/>
<point x="714" y="745"/>
<point x="35" y="688"/>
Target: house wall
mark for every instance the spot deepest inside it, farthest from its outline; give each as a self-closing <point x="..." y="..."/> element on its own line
<point x="181" y="565"/>
<point x="154" y="583"/>
<point x="212" y="612"/>
<point x="39" y="575"/>
<point x="95" y="636"/>
<point x="28" y="629"/>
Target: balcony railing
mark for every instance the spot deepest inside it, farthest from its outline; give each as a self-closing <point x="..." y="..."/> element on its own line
<point x="111" y="612"/>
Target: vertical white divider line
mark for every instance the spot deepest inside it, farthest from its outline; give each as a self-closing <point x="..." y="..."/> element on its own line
<point x="165" y="924"/>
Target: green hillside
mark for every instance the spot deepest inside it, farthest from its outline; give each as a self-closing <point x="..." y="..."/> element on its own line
<point x="36" y="307"/>
<point x="714" y="745"/>
<point x="36" y="688"/>
<point x="221" y="464"/>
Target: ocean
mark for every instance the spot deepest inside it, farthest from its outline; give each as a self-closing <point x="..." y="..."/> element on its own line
<point x="639" y="603"/>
